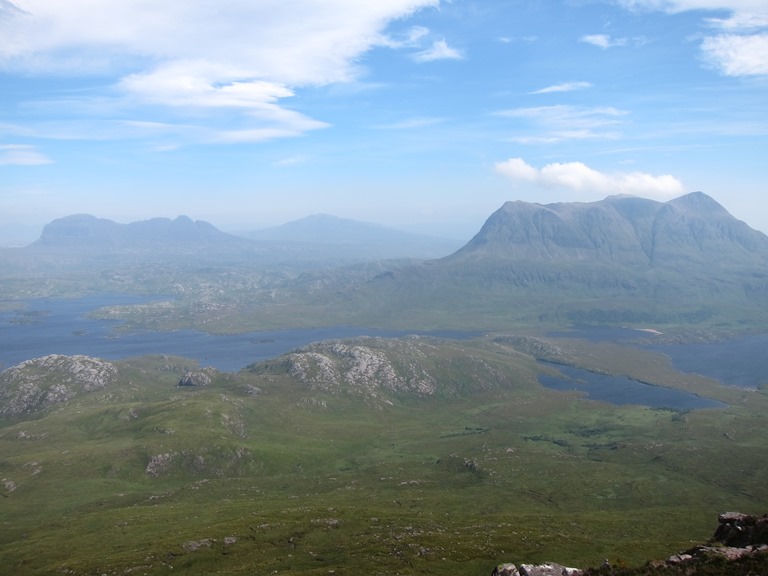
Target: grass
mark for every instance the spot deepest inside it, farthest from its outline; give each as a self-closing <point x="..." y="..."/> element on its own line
<point x="450" y="484"/>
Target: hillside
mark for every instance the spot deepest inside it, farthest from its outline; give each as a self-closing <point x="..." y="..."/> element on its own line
<point x="620" y="260"/>
<point x="410" y="456"/>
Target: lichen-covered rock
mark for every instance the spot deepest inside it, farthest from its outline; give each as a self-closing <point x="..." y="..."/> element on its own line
<point x="383" y="368"/>
<point x="202" y="377"/>
<point x="546" y="569"/>
<point x="42" y="382"/>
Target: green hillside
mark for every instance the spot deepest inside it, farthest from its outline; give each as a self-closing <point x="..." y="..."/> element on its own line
<point x="404" y="456"/>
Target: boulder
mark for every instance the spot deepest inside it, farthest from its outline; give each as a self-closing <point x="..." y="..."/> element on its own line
<point x="546" y="569"/>
<point x="195" y="378"/>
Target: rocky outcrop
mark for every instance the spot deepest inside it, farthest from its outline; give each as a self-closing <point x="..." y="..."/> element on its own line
<point x="547" y="569"/>
<point x="202" y="377"/>
<point x="737" y="536"/>
<point x="39" y="383"/>
<point x="383" y="368"/>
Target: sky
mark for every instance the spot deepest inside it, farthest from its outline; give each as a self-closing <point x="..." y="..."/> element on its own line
<point x="417" y="114"/>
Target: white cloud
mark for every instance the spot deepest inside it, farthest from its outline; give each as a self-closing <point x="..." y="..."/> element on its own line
<point x="683" y="5"/>
<point x="22" y="155"/>
<point x="564" y="87"/>
<point x="562" y="122"/>
<point x="411" y="123"/>
<point x="740" y="22"/>
<point x="579" y="177"/>
<point x="230" y="55"/>
<point x="742" y="50"/>
<point x="737" y="55"/>
<point x="438" y="51"/>
<point x="603" y="41"/>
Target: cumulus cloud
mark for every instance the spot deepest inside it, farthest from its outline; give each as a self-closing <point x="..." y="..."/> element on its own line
<point x="438" y="51"/>
<point x="564" y="87"/>
<point x="22" y="155"/>
<point x="240" y="57"/>
<point x="741" y="49"/>
<point x="579" y="177"/>
<point x="738" y="55"/>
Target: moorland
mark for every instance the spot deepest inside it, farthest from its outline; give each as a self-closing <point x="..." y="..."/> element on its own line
<point x="402" y="455"/>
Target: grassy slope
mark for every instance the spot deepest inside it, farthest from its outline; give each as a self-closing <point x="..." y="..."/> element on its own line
<point x="449" y="485"/>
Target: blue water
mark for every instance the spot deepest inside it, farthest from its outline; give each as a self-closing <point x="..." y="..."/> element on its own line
<point x="621" y="390"/>
<point x="62" y="326"/>
<point x="741" y="362"/>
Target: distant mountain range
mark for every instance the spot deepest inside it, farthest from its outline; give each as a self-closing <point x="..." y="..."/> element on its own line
<point x="86" y="231"/>
<point x="364" y="238"/>
<point x="321" y="239"/>
<point x="622" y="259"/>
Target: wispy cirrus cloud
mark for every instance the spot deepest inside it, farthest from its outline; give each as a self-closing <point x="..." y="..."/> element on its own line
<point x="740" y="48"/>
<point x="411" y="123"/>
<point x="564" y="87"/>
<point x="22" y="155"/>
<point x="579" y="177"/>
<point x="603" y="41"/>
<point x="552" y="124"/>
<point x="242" y="59"/>
<point x="440" y="50"/>
<point x="606" y="41"/>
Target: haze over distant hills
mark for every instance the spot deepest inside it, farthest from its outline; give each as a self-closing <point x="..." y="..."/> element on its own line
<point x="622" y="259"/>
<point x="86" y="231"/>
<point x="364" y="237"/>
<point x="320" y="238"/>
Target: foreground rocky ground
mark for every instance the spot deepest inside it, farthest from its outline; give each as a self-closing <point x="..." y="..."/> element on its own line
<point x="739" y="547"/>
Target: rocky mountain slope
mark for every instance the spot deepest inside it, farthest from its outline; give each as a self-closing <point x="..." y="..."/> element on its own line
<point x="621" y="260"/>
<point x="37" y="384"/>
<point x="620" y="230"/>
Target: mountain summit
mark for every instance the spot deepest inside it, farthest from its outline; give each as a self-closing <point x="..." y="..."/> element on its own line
<point x="86" y="231"/>
<point x="619" y="230"/>
<point x="620" y="260"/>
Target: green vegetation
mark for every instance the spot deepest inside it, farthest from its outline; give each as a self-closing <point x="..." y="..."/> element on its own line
<point x="270" y="471"/>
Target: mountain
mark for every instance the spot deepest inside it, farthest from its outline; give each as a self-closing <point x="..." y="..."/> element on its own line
<point x="372" y="241"/>
<point x="619" y="230"/>
<point x="89" y="232"/>
<point x="619" y="260"/>
<point x="315" y="241"/>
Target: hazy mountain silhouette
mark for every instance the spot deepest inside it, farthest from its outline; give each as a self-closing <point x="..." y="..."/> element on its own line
<point x="364" y="238"/>
<point x="319" y="240"/>
<point x="622" y="259"/>
<point x="88" y="232"/>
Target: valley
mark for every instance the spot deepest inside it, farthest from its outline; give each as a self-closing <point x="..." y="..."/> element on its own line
<point x="178" y="401"/>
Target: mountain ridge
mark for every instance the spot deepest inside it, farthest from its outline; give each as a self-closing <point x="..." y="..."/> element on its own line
<point x="617" y="229"/>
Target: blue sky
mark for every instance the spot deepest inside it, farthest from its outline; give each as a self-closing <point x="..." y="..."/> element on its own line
<point x="418" y="114"/>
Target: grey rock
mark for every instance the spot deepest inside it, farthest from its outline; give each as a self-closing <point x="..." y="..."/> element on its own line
<point x="195" y="378"/>
<point x="36" y="384"/>
<point x="546" y="569"/>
